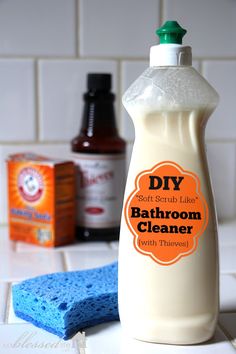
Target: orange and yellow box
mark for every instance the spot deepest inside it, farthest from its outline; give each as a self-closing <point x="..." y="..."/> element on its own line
<point x="41" y="200"/>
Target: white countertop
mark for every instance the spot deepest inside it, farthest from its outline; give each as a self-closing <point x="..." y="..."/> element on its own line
<point x="20" y="261"/>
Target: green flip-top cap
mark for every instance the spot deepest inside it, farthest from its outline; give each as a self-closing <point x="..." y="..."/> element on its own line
<point x="171" y="32"/>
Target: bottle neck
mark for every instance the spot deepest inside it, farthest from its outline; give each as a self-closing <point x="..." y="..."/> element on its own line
<point x="98" y="116"/>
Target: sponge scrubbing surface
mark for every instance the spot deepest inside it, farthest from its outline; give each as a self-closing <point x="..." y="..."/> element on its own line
<point x="63" y="303"/>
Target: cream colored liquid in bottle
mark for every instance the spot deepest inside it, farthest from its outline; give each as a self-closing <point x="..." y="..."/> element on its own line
<point x="168" y="256"/>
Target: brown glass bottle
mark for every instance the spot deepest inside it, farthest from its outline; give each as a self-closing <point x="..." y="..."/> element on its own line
<point x="99" y="153"/>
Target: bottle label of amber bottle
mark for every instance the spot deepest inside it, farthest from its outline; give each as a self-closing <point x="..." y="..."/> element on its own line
<point x="100" y="188"/>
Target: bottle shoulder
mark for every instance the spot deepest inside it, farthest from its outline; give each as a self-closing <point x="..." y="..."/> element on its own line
<point x="99" y="145"/>
<point x="169" y="88"/>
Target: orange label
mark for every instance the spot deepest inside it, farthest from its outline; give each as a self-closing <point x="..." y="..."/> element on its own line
<point x="166" y="213"/>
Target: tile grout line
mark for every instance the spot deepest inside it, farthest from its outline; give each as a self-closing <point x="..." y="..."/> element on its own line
<point x="222" y="140"/>
<point x="7" y="309"/>
<point x="227" y="312"/>
<point x="37" y="102"/>
<point x="34" y="142"/>
<point x="234" y="171"/>
<point x="14" y="243"/>
<point x="77" y="29"/>
<point x="109" y="245"/>
<point x="161" y="14"/>
<point x="6" y="296"/>
<point x="214" y="58"/>
<point x="62" y="142"/>
<point x="200" y="67"/>
<point x="77" y="346"/>
<point x="227" y="334"/>
<point x="64" y="261"/>
<point x="3" y="224"/>
<point x="36" y="57"/>
<point x="119" y="93"/>
<point x="105" y="58"/>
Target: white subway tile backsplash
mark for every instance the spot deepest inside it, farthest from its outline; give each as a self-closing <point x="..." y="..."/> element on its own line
<point x="62" y="85"/>
<point x="17" y="92"/>
<point x="47" y="48"/>
<point x="124" y="28"/>
<point x="222" y="160"/>
<point x="221" y="74"/>
<point x="227" y="259"/>
<point x="131" y="70"/>
<point x="6" y="245"/>
<point x="227" y="293"/>
<point x="210" y="24"/>
<point x="227" y="233"/>
<point x="32" y="27"/>
<point x="56" y="150"/>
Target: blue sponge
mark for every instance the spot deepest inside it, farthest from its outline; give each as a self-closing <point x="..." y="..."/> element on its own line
<point x="63" y="303"/>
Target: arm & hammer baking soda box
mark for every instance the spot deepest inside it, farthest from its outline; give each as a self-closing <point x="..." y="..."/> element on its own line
<point x="41" y="199"/>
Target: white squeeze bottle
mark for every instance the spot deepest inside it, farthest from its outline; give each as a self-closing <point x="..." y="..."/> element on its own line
<point x="168" y="254"/>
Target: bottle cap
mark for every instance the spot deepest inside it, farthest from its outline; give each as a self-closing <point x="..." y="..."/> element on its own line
<point x="99" y="82"/>
<point x="170" y="51"/>
<point x="171" y="32"/>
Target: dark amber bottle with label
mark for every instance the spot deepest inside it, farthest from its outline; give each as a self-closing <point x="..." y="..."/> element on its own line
<point x="99" y="154"/>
